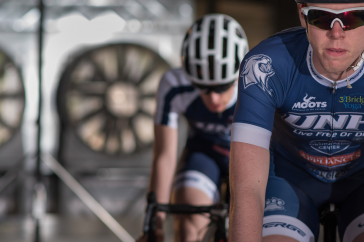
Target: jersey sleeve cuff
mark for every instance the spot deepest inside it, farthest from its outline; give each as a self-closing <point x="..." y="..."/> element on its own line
<point x="250" y="134"/>
<point x="171" y="121"/>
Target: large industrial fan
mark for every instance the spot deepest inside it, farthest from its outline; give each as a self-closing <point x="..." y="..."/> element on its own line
<point x="107" y="96"/>
<point x="12" y="103"/>
<point x="11" y="99"/>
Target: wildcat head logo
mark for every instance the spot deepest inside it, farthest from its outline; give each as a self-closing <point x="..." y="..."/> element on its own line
<point x="257" y="70"/>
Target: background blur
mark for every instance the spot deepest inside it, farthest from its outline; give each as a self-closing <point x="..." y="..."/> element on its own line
<point x="102" y="60"/>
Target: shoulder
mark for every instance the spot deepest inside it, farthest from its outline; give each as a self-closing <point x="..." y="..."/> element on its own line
<point x="175" y="83"/>
<point x="280" y="56"/>
<point x="273" y="65"/>
<point x="175" y="78"/>
<point x="286" y="47"/>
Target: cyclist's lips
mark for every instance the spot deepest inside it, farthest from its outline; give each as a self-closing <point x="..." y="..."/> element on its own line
<point x="336" y="52"/>
<point x="215" y="107"/>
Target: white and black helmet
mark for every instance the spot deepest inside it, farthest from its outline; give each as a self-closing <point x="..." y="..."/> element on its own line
<point x="212" y="50"/>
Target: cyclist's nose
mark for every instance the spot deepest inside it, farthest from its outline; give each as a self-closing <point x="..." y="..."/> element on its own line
<point x="214" y="97"/>
<point x="337" y="31"/>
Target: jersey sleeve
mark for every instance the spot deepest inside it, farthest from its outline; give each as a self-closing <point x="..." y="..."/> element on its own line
<point x="261" y="91"/>
<point x="174" y="95"/>
<point x="166" y="114"/>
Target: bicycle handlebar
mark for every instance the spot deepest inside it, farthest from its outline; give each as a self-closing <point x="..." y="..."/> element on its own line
<point x="218" y="210"/>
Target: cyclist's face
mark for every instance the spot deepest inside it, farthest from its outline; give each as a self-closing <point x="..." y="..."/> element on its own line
<point x="217" y="102"/>
<point x="334" y="50"/>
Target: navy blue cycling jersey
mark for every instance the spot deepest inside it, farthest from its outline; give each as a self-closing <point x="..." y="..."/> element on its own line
<point x="177" y="96"/>
<point x="284" y="104"/>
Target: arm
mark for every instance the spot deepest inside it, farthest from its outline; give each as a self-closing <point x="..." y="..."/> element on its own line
<point x="163" y="169"/>
<point x="164" y="162"/>
<point x="249" y="168"/>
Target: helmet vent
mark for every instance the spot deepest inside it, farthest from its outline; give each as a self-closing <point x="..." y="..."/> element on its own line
<point x="226" y="22"/>
<point x="211" y="67"/>
<point x="238" y="33"/>
<point x="212" y="35"/>
<point x="199" y="72"/>
<point x="197" y="49"/>
<point x="223" y="71"/>
<point x="224" y="47"/>
<point x="237" y="62"/>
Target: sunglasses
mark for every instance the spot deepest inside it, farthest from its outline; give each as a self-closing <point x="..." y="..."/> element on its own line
<point x="216" y="89"/>
<point x="325" y="18"/>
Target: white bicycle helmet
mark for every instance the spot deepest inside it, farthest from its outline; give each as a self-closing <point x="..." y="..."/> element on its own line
<point x="212" y="50"/>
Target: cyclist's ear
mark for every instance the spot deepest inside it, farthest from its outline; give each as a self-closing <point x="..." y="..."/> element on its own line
<point x="301" y="15"/>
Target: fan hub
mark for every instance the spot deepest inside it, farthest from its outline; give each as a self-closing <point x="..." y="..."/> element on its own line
<point x="122" y="99"/>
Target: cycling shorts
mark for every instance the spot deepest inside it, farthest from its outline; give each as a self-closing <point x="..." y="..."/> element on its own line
<point x="202" y="169"/>
<point x="295" y="199"/>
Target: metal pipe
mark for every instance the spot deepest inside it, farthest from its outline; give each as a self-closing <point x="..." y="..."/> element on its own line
<point x="38" y="174"/>
<point x="40" y="94"/>
<point x="85" y="197"/>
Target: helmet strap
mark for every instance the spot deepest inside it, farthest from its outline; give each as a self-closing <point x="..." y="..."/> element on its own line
<point x="355" y="68"/>
<point x="360" y="62"/>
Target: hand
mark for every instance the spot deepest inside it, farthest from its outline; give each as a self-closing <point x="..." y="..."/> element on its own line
<point x="159" y="234"/>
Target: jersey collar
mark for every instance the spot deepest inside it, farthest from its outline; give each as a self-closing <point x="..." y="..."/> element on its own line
<point x="326" y="81"/>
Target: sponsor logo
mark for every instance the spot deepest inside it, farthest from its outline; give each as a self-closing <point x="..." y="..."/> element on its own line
<point x="274" y="204"/>
<point x="257" y="71"/>
<point x="330" y="175"/>
<point x="214" y="128"/>
<point x="284" y="225"/>
<point x="323" y="121"/>
<point x="329" y="147"/>
<point x="309" y="104"/>
<point x="331" y="161"/>
<point x="353" y="101"/>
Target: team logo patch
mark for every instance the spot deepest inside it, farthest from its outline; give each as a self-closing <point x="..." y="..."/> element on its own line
<point x="274" y="204"/>
<point x="257" y="70"/>
<point x="329" y="147"/>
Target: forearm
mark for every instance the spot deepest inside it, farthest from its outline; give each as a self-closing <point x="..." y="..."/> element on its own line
<point x="249" y="168"/>
<point x="162" y="178"/>
<point x="164" y="162"/>
<point x="246" y="216"/>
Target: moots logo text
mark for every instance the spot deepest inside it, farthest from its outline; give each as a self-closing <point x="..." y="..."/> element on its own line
<point x="309" y="103"/>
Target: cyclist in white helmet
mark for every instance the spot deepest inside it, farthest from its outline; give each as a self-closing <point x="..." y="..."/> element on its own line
<point x="205" y="92"/>
<point x="298" y="129"/>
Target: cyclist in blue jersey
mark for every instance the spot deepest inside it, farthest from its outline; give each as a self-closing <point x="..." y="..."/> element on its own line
<point x="205" y="92"/>
<point x="298" y="128"/>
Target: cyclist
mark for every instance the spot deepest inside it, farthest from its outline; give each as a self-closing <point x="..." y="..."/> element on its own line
<point x="205" y="92"/>
<point x="301" y="97"/>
